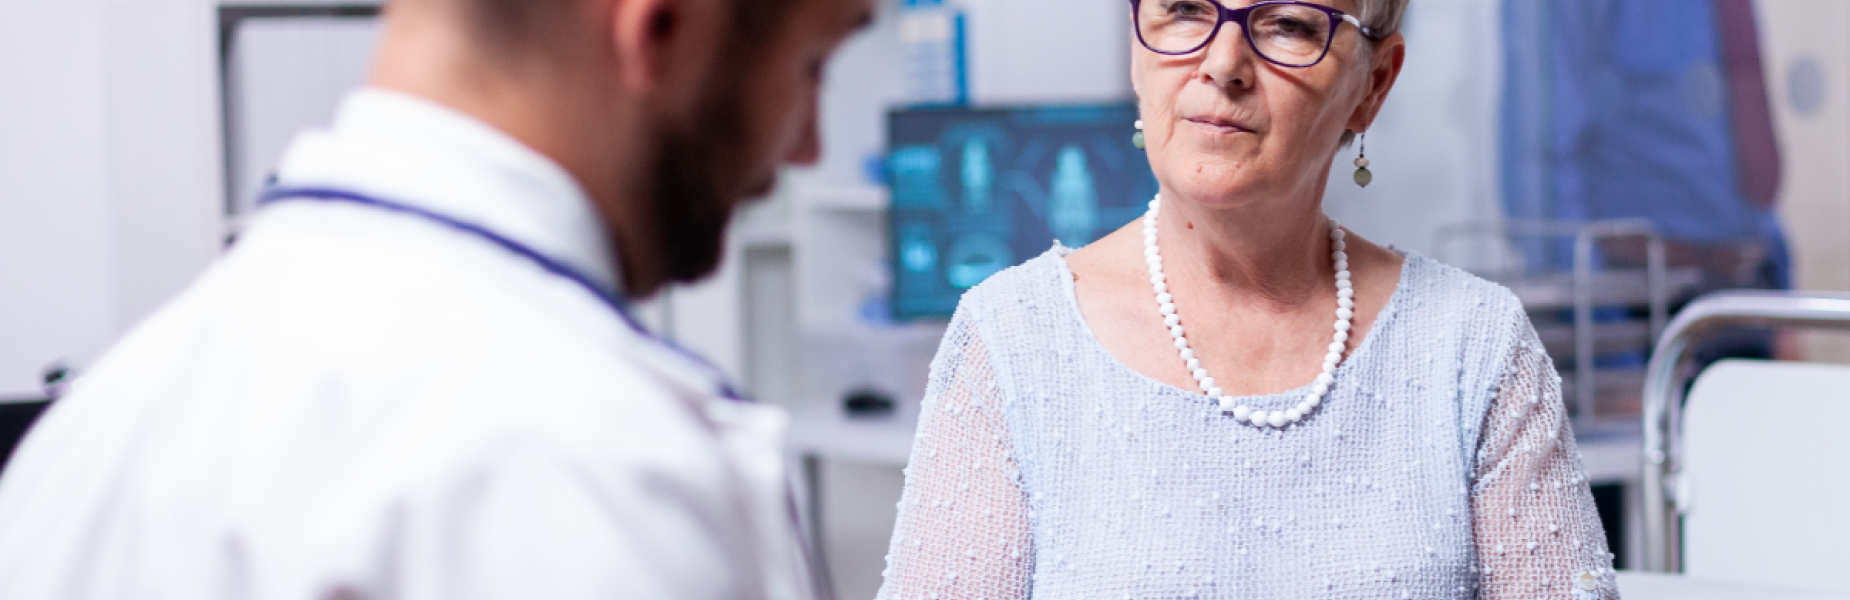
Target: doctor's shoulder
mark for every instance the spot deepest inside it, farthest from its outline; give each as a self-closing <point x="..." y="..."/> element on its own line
<point x="487" y="347"/>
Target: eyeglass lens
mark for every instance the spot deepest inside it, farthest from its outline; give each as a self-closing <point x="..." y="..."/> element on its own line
<point x="1290" y="34"/>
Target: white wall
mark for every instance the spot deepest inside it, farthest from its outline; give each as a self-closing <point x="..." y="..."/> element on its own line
<point x="110" y="154"/>
<point x="288" y="75"/>
<point x="1030" y="51"/>
<point x="1433" y="147"/>
<point x="107" y="162"/>
<point x="1814" y="138"/>
<point x="163" y="155"/>
<point x="56" y="295"/>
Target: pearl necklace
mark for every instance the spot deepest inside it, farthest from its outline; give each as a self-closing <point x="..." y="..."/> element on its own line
<point x="1165" y="305"/>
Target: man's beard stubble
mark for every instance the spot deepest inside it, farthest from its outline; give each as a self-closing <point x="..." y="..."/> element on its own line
<point x="701" y="174"/>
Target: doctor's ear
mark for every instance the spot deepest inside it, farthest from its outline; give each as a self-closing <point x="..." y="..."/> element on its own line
<point x="667" y="45"/>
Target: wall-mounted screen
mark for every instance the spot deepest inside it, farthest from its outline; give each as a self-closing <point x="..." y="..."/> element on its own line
<point x="977" y="190"/>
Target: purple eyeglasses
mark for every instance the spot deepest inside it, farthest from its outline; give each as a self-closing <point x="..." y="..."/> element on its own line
<point x="1283" y="32"/>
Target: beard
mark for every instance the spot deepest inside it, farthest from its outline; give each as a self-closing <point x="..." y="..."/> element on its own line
<point x="701" y="173"/>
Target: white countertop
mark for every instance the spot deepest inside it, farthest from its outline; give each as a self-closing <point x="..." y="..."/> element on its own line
<point x="888" y="441"/>
<point x="1661" y="586"/>
<point x="879" y="441"/>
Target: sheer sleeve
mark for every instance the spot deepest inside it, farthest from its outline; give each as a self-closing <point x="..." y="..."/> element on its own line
<point x="1538" y="534"/>
<point x="963" y="519"/>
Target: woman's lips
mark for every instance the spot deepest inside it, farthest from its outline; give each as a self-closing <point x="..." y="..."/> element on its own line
<point x="1218" y="126"/>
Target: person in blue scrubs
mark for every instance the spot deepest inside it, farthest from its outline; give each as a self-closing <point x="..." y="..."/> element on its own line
<point x="1646" y="109"/>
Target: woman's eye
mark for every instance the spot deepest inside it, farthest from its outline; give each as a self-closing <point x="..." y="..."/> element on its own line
<point x="1287" y="26"/>
<point x="1190" y="10"/>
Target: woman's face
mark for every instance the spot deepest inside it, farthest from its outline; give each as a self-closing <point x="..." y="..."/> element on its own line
<point x="1224" y="127"/>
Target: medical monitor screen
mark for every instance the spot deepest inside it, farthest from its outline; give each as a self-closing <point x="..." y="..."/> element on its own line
<point x="977" y="190"/>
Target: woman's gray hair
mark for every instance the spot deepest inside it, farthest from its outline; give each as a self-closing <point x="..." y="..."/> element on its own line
<point x="1382" y="17"/>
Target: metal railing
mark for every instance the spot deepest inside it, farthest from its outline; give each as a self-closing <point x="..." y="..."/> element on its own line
<point x="1667" y="375"/>
<point x="1585" y="235"/>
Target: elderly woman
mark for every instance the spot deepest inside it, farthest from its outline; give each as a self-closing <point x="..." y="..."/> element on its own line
<point x="1234" y="397"/>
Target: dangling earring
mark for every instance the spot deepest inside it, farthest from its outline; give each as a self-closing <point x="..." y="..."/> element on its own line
<point x="1137" y="138"/>
<point x="1362" y="176"/>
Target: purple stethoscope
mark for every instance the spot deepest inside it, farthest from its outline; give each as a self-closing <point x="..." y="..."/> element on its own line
<point x="549" y="264"/>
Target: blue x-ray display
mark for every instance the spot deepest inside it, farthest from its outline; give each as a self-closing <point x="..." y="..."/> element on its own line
<point x="977" y="190"/>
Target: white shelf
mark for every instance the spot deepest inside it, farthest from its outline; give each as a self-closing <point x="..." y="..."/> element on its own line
<point x="763" y="235"/>
<point x="1616" y="286"/>
<point x="832" y="435"/>
<point x="854" y="198"/>
<point x="888" y="441"/>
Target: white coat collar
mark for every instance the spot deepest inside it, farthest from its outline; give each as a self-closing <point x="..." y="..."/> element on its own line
<point x="408" y="150"/>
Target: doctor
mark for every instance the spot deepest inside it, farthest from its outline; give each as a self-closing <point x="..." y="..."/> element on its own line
<point x="414" y="378"/>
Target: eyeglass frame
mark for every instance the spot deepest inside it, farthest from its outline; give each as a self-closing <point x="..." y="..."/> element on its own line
<point x="1240" y="15"/>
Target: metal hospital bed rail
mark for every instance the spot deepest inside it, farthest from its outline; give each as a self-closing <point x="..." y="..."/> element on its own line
<point x="1669" y="372"/>
<point x="1586" y="290"/>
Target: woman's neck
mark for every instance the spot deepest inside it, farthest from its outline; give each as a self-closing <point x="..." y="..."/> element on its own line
<point x="1260" y="251"/>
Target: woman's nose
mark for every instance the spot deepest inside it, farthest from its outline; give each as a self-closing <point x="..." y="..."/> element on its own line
<point x="1228" y="61"/>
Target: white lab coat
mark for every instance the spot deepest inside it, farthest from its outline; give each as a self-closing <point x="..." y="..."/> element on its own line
<point x="358" y="404"/>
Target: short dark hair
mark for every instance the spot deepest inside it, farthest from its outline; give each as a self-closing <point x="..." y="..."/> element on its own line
<point x="507" y="25"/>
<point x="515" y="25"/>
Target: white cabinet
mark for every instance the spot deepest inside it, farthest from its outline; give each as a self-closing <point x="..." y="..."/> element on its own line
<point x="285" y="74"/>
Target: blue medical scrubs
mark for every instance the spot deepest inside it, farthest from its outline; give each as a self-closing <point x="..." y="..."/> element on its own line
<point x="1619" y="109"/>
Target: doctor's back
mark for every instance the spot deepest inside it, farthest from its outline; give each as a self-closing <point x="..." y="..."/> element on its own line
<point x="414" y="375"/>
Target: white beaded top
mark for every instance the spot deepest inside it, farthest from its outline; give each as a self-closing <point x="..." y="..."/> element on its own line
<point x="1438" y="465"/>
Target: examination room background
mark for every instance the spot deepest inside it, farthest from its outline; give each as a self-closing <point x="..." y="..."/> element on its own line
<point x="125" y="166"/>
